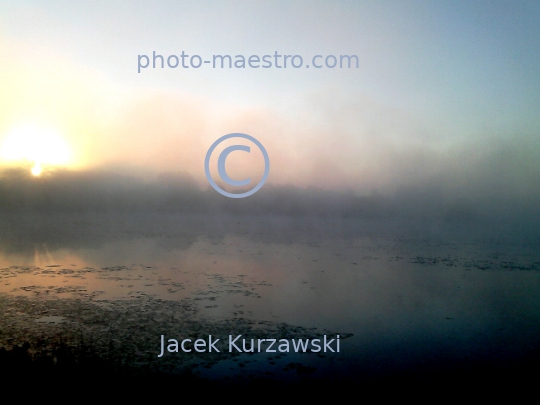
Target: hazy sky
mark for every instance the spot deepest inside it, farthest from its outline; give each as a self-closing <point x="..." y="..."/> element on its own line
<point x="447" y="92"/>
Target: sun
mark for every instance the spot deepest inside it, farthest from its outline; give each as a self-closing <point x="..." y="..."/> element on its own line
<point x="38" y="146"/>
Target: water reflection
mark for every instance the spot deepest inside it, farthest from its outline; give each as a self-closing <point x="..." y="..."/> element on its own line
<point x="405" y="296"/>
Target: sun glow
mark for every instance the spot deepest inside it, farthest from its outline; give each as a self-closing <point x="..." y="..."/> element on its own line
<point x="37" y="146"/>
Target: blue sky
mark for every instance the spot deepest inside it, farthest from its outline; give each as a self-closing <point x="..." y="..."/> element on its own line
<point x="442" y="91"/>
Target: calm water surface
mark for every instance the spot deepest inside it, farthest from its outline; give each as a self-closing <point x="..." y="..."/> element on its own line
<point x="408" y="298"/>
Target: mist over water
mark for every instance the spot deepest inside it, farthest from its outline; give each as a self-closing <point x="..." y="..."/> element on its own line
<point x="414" y="284"/>
<point x="401" y="211"/>
<point x="66" y="191"/>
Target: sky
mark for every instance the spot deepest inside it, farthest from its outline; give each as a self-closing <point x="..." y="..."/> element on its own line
<point x="445" y="96"/>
